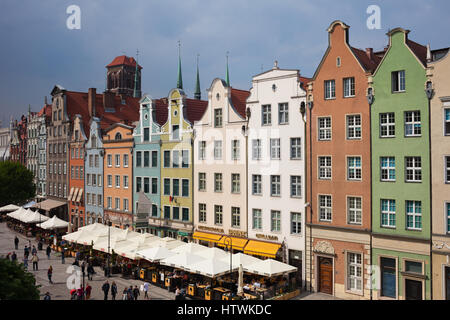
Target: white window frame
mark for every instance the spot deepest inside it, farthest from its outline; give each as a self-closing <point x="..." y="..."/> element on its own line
<point x="385" y="170"/>
<point x="324" y="128"/>
<point x="283" y="113"/>
<point x="349" y="87"/>
<point x="217" y="149"/>
<point x="257" y="219"/>
<point x="275" y="149"/>
<point x="355" y="272"/>
<point x="296" y="223"/>
<point x="235" y="183"/>
<point x="325" y="167"/>
<point x="325" y="207"/>
<point x="412" y="169"/>
<point x="415" y="215"/>
<point x="412" y="123"/>
<point x="266" y="115"/>
<point x="354" y="172"/>
<point x="276" y="184"/>
<point x="256" y="149"/>
<point x="354" y="129"/>
<point x="296" y="184"/>
<point x="330" y="89"/>
<point x="354" y="214"/>
<point x="296" y="148"/>
<point x="275" y="221"/>
<point x="389" y="213"/>
<point x="387" y="122"/>
<point x="257" y="183"/>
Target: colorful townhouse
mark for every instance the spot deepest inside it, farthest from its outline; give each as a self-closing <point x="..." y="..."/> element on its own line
<point x="19" y="141"/>
<point x="339" y="177"/>
<point x="220" y="169"/>
<point x="438" y="89"/>
<point x="32" y="144"/>
<point x="401" y="172"/>
<point x="147" y="164"/>
<point x="276" y="167"/>
<point x="76" y="199"/>
<point x="44" y="119"/>
<point x="177" y="165"/>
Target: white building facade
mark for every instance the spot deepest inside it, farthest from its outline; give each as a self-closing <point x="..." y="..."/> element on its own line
<point x="276" y="164"/>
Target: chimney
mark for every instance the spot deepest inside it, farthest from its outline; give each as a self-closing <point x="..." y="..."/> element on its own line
<point x="92" y="93"/>
<point x="108" y="100"/>
<point x="369" y="53"/>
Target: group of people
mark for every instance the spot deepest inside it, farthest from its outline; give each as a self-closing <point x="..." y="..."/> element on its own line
<point x="128" y="293"/>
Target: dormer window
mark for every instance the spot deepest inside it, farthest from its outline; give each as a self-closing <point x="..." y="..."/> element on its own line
<point x="118" y="136"/>
<point x="398" y="81"/>
<point x="338" y="62"/>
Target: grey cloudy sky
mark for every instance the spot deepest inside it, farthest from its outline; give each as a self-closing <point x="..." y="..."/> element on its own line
<point x="38" y="51"/>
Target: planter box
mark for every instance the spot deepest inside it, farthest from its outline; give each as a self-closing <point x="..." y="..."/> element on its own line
<point x="287" y="296"/>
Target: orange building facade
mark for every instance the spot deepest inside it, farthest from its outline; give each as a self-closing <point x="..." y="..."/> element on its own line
<point x="339" y="175"/>
<point x="118" y="174"/>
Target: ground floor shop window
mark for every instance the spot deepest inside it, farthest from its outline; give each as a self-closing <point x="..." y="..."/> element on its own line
<point x="354" y="272"/>
<point x="388" y="277"/>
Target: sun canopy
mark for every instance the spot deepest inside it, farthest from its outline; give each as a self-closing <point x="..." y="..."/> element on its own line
<point x="236" y="243"/>
<point x="17" y="214"/>
<point x="53" y="223"/>
<point x="155" y="253"/>
<point x="33" y="217"/>
<point x="210" y="268"/>
<point x="182" y="260"/>
<point x="190" y="247"/>
<point x="49" y="204"/>
<point x="9" y="207"/>
<point x="130" y="249"/>
<point x="270" y="268"/>
<point x="261" y="248"/>
<point x="240" y="258"/>
<point x="212" y="253"/>
<point x="168" y="243"/>
<point x="29" y="204"/>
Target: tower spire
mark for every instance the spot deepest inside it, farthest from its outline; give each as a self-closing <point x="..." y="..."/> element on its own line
<point x="198" y="92"/>
<point x="135" y="92"/>
<point x="180" y="78"/>
<point x="228" y="73"/>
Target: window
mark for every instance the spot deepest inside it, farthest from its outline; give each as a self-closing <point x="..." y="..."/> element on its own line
<point x="217" y="118"/>
<point x="175" y="187"/>
<point x="387" y="169"/>
<point x="109" y="202"/>
<point x="275" y="186"/>
<point x="99" y="200"/>
<point x="387" y="125"/>
<point x="354" y="168"/>
<point x="398" y="81"/>
<point x="217" y="182"/>
<point x="125" y="205"/>
<point x="99" y="180"/>
<point x="235" y="183"/>
<point x="125" y="160"/>
<point x="413" y="267"/>
<point x="218" y="215"/>
<point x="202" y="212"/>
<point x="257" y="219"/>
<point x="185" y="188"/>
<point x="324" y="168"/>
<point x="91" y="160"/>
<point x="283" y="113"/>
<point x="354" y="211"/>
<point x="235" y="154"/>
<point x="175" y="213"/>
<point x="413" y="169"/>
<point x="447" y="169"/>
<point x="117" y="177"/>
<point x="330" y="89"/>
<point x="166" y="186"/>
<point x="146" y="134"/>
<point x="146" y="159"/>
<point x="166" y="158"/>
<point x="166" y="212"/>
<point x="109" y="159"/>
<point x="117" y="202"/>
<point x="154" y="210"/>
<point x="185" y="214"/>
<point x="138" y="184"/>
<point x="354" y="127"/>
<point x="96" y="160"/>
<point x="275" y="221"/>
<point x="235" y="217"/>
<point x="447" y="122"/>
<point x="154" y="185"/>
<point x="275" y="152"/>
<point x="202" y="150"/>
<point x="296" y="186"/>
<point x="185" y="158"/>
<point x="324" y="129"/>
<point x="175" y="132"/>
<point x="217" y="149"/>
<point x="414" y="215"/>
<point x="125" y="181"/>
<point x="176" y="159"/>
<point x="202" y="181"/>
<point x="296" y="223"/>
<point x="257" y="184"/>
<point x="266" y="116"/>
<point x="154" y="159"/>
<point x="413" y="126"/>
<point x="109" y="180"/>
<point x="325" y="208"/>
<point x="256" y="149"/>
<point x="349" y="87"/>
<point x="354" y="272"/>
<point x="296" y="149"/>
<point x="117" y="157"/>
<point x="72" y="171"/>
<point x="138" y="158"/>
<point x="448" y="216"/>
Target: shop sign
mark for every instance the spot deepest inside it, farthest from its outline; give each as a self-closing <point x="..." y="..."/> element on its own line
<point x="184" y="234"/>
<point x="219" y="230"/>
<point x="237" y="233"/>
<point x="266" y="237"/>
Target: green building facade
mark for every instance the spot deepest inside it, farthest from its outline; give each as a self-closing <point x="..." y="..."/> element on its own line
<point x="400" y="171"/>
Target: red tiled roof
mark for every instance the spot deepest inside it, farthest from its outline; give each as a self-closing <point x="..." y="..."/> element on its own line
<point x="239" y="99"/>
<point x="419" y="50"/>
<point x="194" y="109"/>
<point x="368" y="64"/>
<point x="305" y="81"/>
<point x="161" y="110"/>
<point x="123" y="60"/>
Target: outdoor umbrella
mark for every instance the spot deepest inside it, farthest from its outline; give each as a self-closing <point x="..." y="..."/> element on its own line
<point x="33" y="217"/>
<point x="181" y="260"/>
<point x="270" y="268"/>
<point x="18" y="213"/>
<point x="9" y="207"/>
<point x="241" y="258"/>
<point x="213" y="253"/>
<point x="241" y="280"/>
<point x="53" y="223"/>
<point x="211" y="268"/>
<point x="168" y="243"/>
<point x="155" y="253"/>
<point x="190" y="247"/>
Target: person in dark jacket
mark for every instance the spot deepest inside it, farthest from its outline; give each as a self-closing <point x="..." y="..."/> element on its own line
<point x="105" y="289"/>
<point x="90" y="271"/>
<point x="26" y="252"/>
<point x="136" y="293"/>
<point x="48" y="251"/>
<point x="16" y="242"/>
<point x="113" y="290"/>
<point x="47" y="296"/>
<point x="14" y="256"/>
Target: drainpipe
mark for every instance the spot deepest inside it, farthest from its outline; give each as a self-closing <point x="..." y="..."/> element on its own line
<point x="430" y="92"/>
<point x="370" y="100"/>
<point x="303" y="113"/>
<point x="310" y="106"/>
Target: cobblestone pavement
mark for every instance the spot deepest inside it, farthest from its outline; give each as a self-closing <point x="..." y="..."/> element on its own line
<point x="58" y="290"/>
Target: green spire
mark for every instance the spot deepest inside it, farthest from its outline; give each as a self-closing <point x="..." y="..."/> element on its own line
<point x="198" y="92"/>
<point x="180" y="78"/>
<point x="228" y="73"/>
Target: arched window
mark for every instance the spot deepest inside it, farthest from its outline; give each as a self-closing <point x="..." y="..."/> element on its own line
<point x="118" y="136"/>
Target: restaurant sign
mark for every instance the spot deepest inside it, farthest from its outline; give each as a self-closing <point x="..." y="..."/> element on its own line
<point x="266" y="237"/>
<point x="237" y="233"/>
<point x="219" y="230"/>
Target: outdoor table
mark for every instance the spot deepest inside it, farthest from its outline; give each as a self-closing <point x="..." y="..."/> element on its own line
<point x="218" y="293"/>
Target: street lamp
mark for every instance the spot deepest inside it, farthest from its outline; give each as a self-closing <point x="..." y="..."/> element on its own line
<point x="109" y="237"/>
<point x="229" y="243"/>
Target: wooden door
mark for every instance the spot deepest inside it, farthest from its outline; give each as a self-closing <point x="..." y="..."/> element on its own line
<point x="326" y="275"/>
<point x="413" y="290"/>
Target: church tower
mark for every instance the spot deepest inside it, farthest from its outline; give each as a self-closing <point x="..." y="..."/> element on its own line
<point x="123" y="77"/>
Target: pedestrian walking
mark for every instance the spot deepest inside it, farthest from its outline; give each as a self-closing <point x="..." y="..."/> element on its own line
<point x="113" y="290"/>
<point x="29" y="244"/>
<point x="83" y="266"/>
<point x="26" y="252"/>
<point x="125" y="294"/>
<point x="88" y="291"/>
<point x="63" y="253"/>
<point x="16" y="243"/>
<point x="25" y="262"/>
<point x="35" y="261"/>
<point x="178" y="294"/>
<point x="105" y="289"/>
<point x="80" y="292"/>
<point x="34" y="250"/>
<point x="136" y="293"/>
<point x="146" y="285"/>
<point x="130" y="293"/>
<point x="90" y="271"/>
<point x="47" y="296"/>
<point x="14" y="256"/>
<point x="49" y="274"/>
<point x="48" y="251"/>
